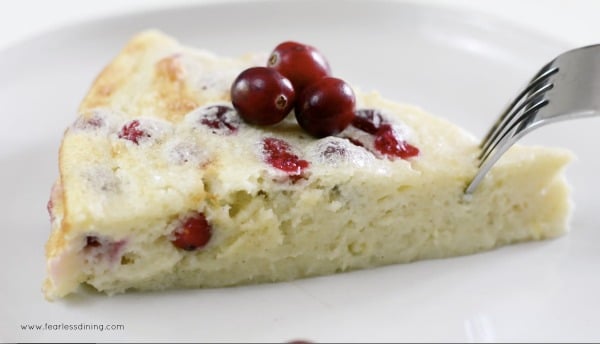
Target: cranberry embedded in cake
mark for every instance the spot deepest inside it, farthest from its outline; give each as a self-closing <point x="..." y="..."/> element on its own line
<point x="132" y="132"/>
<point x="145" y="130"/>
<point x="91" y="241"/>
<point x="278" y="154"/>
<point x="221" y="119"/>
<point x="372" y="130"/>
<point x="193" y="233"/>
<point x="368" y="120"/>
<point x="387" y="143"/>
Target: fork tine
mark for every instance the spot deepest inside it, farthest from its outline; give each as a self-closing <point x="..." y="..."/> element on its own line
<point x="508" y="119"/>
<point x="544" y="73"/>
<point x="486" y="164"/>
<point x="512" y="131"/>
<point x="518" y="130"/>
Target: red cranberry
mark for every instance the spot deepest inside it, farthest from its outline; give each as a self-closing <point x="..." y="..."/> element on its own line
<point x="194" y="233"/>
<point x="326" y="107"/>
<point x="385" y="140"/>
<point x="132" y="132"/>
<point x="368" y="120"/>
<point x="387" y="144"/>
<point x="220" y="118"/>
<point x="278" y="154"/>
<point x="91" y="241"/>
<point x="301" y="63"/>
<point x="355" y="142"/>
<point x="262" y="96"/>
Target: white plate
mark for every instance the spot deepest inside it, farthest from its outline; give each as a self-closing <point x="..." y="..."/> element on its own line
<point x="458" y="65"/>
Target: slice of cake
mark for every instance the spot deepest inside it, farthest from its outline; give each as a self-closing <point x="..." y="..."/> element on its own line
<point x="163" y="185"/>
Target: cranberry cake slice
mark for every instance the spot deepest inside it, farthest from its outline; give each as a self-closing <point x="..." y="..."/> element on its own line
<point x="163" y="185"/>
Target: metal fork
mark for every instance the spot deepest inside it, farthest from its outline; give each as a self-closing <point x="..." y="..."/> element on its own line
<point x="568" y="87"/>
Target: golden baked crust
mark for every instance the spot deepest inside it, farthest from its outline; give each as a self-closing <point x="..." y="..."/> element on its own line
<point x="151" y="67"/>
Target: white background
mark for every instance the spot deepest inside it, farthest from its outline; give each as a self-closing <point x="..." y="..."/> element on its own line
<point x="575" y="21"/>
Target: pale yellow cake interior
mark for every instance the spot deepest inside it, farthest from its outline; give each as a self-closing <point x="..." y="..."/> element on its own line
<point x="350" y="213"/>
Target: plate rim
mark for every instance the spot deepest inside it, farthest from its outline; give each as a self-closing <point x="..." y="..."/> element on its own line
<point x="464" y="13"/>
